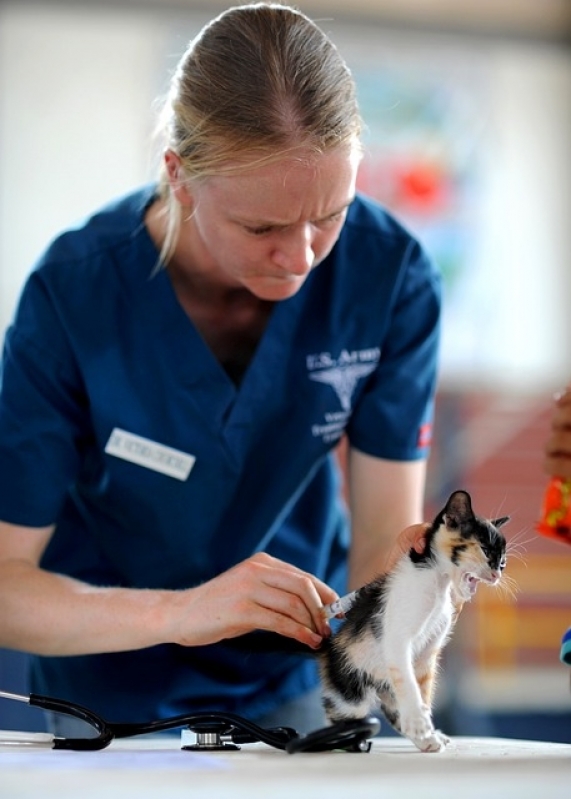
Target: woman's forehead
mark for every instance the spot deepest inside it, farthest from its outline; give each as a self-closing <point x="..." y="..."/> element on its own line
<point x="315" y="186"/>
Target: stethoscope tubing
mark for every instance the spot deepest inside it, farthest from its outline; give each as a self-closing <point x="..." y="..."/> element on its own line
<point x="350" y="735"/>
<point x="105" y="732"/>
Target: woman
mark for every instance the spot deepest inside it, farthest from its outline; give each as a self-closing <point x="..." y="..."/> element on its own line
<point x="179" y="372"/>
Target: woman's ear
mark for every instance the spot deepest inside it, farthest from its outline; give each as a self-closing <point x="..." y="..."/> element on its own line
<point x="177" y="183"/>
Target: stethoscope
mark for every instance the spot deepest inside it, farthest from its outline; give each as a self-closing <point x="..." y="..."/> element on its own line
<point x="215" y="731"/>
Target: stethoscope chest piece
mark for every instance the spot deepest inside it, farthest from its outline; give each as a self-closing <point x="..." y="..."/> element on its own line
<point x="208" y="737"/>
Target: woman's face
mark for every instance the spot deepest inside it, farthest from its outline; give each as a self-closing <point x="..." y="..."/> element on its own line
<point x="266" y="228"/>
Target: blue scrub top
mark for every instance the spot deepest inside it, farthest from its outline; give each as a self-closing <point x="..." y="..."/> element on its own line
<point x="118" y="423"/>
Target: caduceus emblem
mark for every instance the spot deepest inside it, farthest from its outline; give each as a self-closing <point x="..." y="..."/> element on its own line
<point x="343" y="379"/>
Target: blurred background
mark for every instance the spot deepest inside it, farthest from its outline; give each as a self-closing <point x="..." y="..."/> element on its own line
<point x="468" y="114"/>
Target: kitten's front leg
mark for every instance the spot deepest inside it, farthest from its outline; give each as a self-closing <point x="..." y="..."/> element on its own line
<point x="433" y="740"/>
<point x="425" y="671"/>
<point x="414" y="715"/>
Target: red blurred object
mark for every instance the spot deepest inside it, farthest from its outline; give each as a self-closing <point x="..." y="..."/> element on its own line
<point x="422" y="185"/>
<point x="555" y="519"/>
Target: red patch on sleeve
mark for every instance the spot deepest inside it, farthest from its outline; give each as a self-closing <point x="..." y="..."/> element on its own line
<point x="424" y="435"/>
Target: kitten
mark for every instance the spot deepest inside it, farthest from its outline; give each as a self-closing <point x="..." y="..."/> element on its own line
<point x="386" y="651"/>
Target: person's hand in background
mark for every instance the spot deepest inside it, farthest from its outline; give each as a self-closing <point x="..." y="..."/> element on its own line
<point x="557" y="460"/>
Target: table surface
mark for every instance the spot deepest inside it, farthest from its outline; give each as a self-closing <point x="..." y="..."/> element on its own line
<point x="470" y="768"/>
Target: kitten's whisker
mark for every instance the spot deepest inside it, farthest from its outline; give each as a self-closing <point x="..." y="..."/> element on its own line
<point x="515" y="540"/>
<point x="511" y="555"/>
<point x="508" y="587"/>
<point x="516" y="546"/>
<point x="513" y="548"/>
<point x="500" y="511"/>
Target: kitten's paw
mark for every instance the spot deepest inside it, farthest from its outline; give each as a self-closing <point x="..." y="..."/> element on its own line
<point x="435" y="742"/>
<point x="418" y="727"/>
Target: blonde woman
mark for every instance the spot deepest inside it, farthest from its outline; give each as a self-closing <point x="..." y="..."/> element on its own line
<point x="178" y="374"/>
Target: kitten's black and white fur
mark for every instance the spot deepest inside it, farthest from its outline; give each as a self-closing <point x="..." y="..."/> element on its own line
<point x="386" y="652"/>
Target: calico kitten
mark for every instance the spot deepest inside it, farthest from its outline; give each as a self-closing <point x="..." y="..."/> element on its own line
<point x="386" y="651"/>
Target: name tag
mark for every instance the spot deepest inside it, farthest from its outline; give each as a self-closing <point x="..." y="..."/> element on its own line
<point x="149" y="454"/>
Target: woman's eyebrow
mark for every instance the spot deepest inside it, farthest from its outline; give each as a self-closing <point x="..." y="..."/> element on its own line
<point x="274" y="223"/>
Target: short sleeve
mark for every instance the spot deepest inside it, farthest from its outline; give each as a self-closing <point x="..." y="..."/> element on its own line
<point x="393" y="416"/>
<point x="42" y="413"/>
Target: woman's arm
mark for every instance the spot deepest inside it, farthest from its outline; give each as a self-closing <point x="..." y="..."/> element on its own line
<point x="385" y="497"/>
<point x="52" y="614"/>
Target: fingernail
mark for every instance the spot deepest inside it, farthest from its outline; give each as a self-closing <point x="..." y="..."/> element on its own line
<point x="316" y="640"/>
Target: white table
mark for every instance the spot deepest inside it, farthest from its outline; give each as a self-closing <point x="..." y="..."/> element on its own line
<point x="470" y="768"/>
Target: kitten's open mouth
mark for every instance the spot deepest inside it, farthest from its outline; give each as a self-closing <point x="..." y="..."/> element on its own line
<point x="471" y="582"/>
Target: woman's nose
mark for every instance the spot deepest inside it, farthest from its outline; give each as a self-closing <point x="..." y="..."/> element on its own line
<point x="295" y="252"/>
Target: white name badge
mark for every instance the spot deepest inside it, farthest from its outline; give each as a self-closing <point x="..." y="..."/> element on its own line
<point x="149" y="454"/>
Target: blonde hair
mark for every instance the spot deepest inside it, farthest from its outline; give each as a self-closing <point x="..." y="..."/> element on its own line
<point x="259" y="81"/>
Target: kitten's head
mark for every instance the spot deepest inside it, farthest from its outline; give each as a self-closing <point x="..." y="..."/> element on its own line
<point x="474" y="547"/>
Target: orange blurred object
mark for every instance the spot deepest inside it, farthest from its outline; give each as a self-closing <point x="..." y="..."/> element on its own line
<point x="555" y="519"/>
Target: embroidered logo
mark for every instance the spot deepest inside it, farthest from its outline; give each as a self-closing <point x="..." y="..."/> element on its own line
<point x="343" y="380"/>
<point x="342" y="375"/>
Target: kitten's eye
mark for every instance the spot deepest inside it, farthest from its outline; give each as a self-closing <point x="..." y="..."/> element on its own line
<point x="503" y="562"/>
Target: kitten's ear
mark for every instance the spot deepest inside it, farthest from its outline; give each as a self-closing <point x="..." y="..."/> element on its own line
<point x="499" y="522"/>
<point x="458" y="509"/>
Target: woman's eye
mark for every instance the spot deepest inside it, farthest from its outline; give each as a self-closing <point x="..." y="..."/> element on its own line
<point x="259" y="231"/>
<point x="264" y="230"/>
<point x="331" y="220"/>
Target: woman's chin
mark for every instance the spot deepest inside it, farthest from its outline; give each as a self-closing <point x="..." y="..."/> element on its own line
<point x="276" y="289"/>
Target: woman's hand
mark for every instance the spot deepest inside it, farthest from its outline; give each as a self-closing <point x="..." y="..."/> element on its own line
<point x="260" y="593"/>
<point x="557" y="452"/>
<point x="412" y="537"/>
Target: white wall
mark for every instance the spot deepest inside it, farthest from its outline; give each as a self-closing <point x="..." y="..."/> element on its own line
<point x="521" y="335"/>
<point x="76" y="90"/>
<point x="77" y="87"/>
